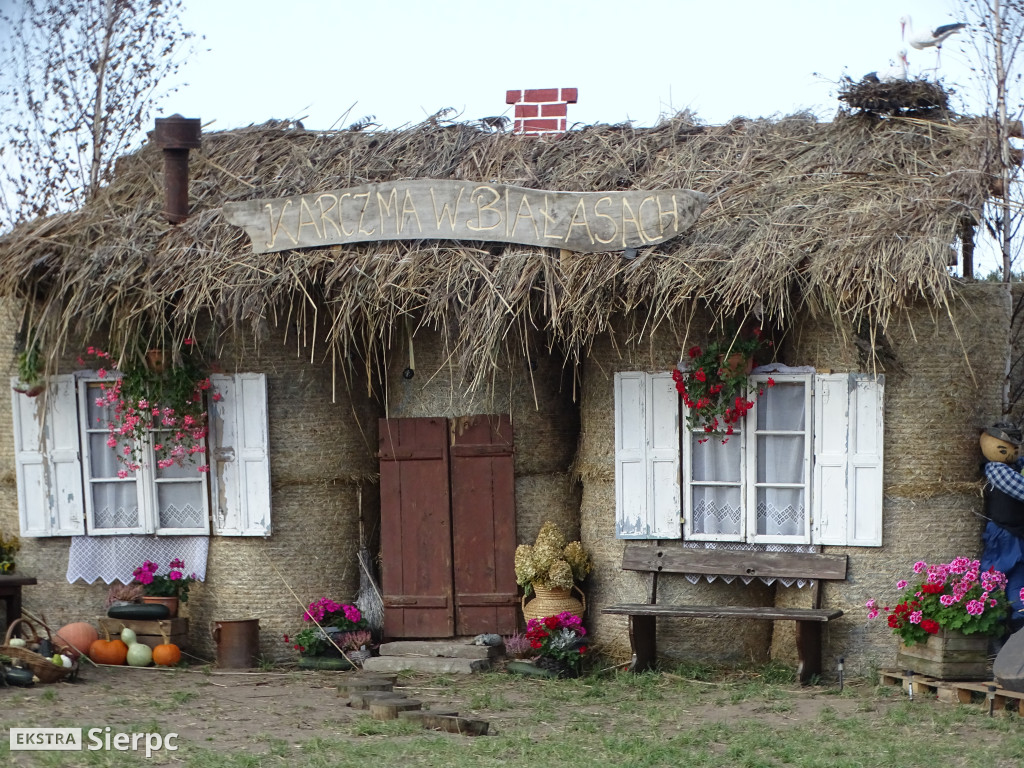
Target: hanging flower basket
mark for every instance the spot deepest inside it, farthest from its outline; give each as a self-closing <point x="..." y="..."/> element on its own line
<point x="714" y="384"/>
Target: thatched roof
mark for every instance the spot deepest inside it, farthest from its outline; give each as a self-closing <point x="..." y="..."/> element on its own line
<point x="849" y="219"/>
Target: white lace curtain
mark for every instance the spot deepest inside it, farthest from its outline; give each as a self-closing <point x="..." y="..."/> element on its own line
<point x="718" y="508"/>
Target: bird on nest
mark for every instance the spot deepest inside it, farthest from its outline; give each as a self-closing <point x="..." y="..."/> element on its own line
<point x="897" y="71"/>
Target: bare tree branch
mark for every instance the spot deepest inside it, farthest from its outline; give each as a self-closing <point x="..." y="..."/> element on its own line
<point x="78" y="82"/>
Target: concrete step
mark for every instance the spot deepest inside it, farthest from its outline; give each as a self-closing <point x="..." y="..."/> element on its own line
<point x="431" y="664"/>
<point x="454" y="649"/>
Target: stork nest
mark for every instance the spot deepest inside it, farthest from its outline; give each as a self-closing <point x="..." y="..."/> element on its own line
<point x="904" y="97"/>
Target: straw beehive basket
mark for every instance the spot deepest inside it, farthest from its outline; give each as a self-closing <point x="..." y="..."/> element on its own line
<point x="41" y="667"/>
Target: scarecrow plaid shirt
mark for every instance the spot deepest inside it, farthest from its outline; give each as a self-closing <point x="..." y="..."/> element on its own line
<point x="1006" y="478"/>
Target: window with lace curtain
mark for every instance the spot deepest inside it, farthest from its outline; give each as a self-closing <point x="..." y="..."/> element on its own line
<point x="805" y="465"/>
<point x="70" y="482"/>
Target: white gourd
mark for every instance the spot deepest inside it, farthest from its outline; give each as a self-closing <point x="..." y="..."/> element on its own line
<point x="139" y="655"/>
<point x="128" y="636"/>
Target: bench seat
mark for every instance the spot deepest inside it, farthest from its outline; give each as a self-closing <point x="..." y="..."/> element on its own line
<point x="655" y="560"/>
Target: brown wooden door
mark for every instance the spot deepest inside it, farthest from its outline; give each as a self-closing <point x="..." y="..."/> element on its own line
<point x="448" y="533"/>
<point x="415" y="531"/>
<point x="483" y="525"/>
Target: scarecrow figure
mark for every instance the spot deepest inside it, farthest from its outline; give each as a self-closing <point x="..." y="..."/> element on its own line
<point x="1003" y="539"/>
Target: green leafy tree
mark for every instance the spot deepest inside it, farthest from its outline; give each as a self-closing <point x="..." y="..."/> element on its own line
<point x="77" y="83"/>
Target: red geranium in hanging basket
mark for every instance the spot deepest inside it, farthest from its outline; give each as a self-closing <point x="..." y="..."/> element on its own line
<point x="714" y="384"/>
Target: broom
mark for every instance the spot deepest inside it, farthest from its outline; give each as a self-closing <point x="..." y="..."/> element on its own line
<point x="369" y="601"/>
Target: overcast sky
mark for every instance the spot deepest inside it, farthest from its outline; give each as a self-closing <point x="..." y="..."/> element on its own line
<point x="331" y="63"/>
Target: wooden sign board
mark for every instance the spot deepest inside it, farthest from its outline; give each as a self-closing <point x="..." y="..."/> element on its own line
<point x="435" y="209"/>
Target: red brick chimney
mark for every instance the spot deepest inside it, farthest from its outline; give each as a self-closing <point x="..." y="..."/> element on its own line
<point x="541" y="110"/>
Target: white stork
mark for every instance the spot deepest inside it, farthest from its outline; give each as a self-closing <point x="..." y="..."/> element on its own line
<point x="930" y="39"/>
<point x="897" y="70"/>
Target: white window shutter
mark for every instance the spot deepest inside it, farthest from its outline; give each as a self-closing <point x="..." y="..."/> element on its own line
<point x="663" y="456"/>
<point x="47" y="464"/>
<point x="867" y="409"/>
<point x="631" y="517"/>
<point x="239" y="455"/>
<point x="848" y="435"/>
<point x="647" y="496"/>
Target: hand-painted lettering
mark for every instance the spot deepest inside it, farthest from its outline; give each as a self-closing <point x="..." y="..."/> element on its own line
<point x="362" y="213"/>
<point x="279" y="226"/>
<point x="409" y="209"/>
<point x="611" y="221"/>
<point x="485" y="206"/>
<point x="453" y="209"/>
<point x="324" y="219"/>
<point x="579" y="219"/>
<point x="307" y="219"/>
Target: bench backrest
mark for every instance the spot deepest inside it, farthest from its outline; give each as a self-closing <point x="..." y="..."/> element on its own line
<point x="723" y="562"/>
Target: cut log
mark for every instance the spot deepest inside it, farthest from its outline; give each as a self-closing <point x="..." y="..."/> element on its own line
<point x="388" y="709"/>
<point x="467" y="726"/>
<point x="362" y="699"/>
<point x="419" y="714"/>
<point x="366" y="683"/>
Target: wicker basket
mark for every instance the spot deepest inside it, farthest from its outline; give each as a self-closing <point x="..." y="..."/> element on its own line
<point x="551" y="601"/>
<point x="41" y="667"/>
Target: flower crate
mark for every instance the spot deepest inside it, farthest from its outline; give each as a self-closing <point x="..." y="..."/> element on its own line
<point x="947" y="655"/>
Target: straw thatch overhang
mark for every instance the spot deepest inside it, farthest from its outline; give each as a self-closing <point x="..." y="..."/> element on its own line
<point x="850" y="220"/>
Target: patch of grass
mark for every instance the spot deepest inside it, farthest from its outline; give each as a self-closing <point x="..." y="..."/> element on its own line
<point x="367" y="726"/>
<point x="647" y="721"/>
<point x="488" y="700"/>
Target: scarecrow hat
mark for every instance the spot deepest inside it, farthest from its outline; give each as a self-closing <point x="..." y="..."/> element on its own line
<point x="1006" y="432"/>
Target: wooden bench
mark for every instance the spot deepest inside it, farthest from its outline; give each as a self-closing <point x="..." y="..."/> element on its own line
<point x="643" y="617"/>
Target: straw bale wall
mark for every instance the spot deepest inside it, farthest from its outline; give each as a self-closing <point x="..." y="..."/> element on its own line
<point x="545" y="421"/>
<point x="944" y="374"/>
<point x="943" y="384"/>
<point x="323" y="472"/>
<point x="608" y="583"/>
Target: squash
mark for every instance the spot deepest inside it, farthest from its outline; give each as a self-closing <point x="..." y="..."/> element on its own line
<point x="139" y="655"/>
<point x="167" y="654"/>
<point x="16" y="676"/>
<point x="109" y="651"/>
<point x="143" y="611"/>
<point x="76" y="637"/>
<point x="128" y="636"/>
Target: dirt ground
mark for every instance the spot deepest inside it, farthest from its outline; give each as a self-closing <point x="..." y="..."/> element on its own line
<point x="251" y="712"/>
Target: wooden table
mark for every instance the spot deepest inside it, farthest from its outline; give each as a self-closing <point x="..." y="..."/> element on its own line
<point x="10" y="593"/>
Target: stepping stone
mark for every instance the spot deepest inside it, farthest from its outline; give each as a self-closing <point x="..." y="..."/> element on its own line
<point x="430" y="664"/>
<point x="388" y="709"/>
<point x="441" y="648"/>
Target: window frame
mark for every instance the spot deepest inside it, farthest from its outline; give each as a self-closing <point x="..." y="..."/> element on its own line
<point x="842" y="464"/>
<point x="147" y="478"/>
<point x="51" y="439"/>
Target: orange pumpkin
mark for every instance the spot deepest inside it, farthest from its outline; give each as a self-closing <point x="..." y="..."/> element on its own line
<point x="109" y="651"/>
<point x="77" y="637"/>
<point x="166" y="655"/>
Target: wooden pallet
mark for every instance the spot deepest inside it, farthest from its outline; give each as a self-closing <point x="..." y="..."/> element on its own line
<point x="953" y="692"/>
